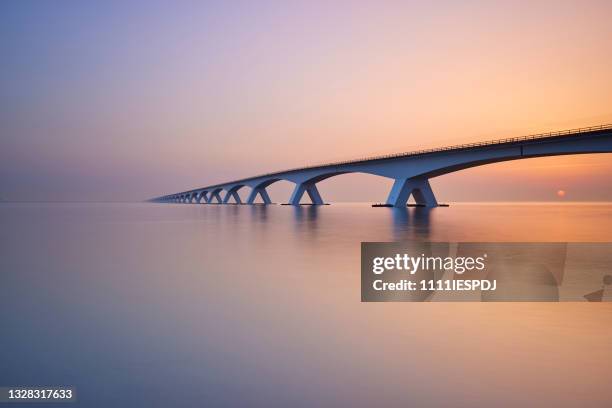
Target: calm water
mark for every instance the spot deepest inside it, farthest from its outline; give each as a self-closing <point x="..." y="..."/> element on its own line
<point x="142" y="305"/>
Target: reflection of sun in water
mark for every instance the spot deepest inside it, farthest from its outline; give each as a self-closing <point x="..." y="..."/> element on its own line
<point x="561" y="193"/>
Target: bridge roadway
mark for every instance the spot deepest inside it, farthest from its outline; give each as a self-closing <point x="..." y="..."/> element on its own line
<point x="410" y="171"/>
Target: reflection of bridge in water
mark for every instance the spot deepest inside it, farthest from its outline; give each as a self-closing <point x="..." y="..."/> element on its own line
<point x="410" y="171"/>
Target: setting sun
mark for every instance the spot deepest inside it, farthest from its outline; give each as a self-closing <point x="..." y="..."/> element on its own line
<point x="561" y="193"/>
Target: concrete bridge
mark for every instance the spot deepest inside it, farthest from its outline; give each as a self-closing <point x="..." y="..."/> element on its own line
<point x="410" y="171"/>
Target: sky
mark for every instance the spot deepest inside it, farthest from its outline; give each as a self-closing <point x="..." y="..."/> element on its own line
<point x="130" y="100"/>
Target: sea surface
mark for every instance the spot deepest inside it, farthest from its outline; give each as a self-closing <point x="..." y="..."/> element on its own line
<point x="175" y="305"/>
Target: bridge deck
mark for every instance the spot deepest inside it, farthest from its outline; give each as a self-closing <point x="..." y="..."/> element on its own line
<point x="505" y="141"/>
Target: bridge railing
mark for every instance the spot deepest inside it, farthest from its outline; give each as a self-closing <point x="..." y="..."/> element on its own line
<point x="473" y="144"/>
<point x="536" y="136"/>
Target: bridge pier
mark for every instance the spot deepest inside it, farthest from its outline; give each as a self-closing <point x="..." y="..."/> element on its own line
<point x="262" y="193"/>
<point x="230" y="194"/>
<point x="202" y="196"/>
<point x="216" y="196"/>
<point x="418" y="187"/>
<point x="309" y="188"/>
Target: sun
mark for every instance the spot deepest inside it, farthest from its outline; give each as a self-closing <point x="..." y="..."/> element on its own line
<point x="561" y="193"/>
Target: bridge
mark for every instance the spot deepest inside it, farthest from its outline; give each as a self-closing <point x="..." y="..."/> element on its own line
<point x="410" y="171"/>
